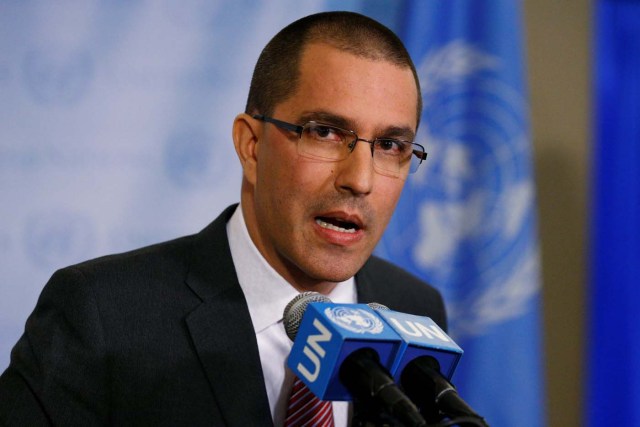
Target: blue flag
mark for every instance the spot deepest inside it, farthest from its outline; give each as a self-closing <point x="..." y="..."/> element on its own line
<point x="614" y="373"/>
<point x="466" y="222"/>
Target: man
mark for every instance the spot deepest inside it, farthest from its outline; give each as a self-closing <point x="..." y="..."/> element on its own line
<point x="189" y="332"/>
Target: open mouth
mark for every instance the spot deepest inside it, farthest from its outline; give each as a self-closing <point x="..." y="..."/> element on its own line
<point x="336" y="224"/>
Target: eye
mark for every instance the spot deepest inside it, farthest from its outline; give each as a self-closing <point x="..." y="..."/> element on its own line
<point x="392" y="147"/>
<point x="324" y="133"/>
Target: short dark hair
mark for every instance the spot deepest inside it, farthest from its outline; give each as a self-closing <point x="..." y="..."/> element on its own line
<point x="277" y="71"/>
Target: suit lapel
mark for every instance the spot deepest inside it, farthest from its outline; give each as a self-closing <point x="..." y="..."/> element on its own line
<point x="366" y="291"/>
<point x="222" y="331"/>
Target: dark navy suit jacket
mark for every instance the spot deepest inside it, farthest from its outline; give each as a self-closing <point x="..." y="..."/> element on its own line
<point x="160" y="336"/>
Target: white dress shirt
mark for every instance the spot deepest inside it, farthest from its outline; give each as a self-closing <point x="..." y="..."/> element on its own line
<point x="267" y="294"/>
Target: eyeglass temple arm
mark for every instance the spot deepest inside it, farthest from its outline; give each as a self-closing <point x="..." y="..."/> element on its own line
<point x="283" y="125"/>
<point x="421" y="156"/>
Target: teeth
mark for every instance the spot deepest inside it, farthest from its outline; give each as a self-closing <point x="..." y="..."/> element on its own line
<point x="324" y="224"/>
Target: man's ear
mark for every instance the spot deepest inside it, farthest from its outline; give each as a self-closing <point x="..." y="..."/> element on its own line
<point x="246" y="133"/>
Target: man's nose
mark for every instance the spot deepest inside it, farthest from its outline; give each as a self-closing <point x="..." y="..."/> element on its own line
<point x="356" y="172"/>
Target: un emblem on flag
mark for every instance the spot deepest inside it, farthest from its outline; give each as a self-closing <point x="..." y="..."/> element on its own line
<point x="474" y="201"/>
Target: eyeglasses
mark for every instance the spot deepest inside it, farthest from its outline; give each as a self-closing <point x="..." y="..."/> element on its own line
<point x="391" y="157"/>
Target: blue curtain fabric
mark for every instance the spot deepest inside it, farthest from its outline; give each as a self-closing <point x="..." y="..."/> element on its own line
<point x="613" y="396"/>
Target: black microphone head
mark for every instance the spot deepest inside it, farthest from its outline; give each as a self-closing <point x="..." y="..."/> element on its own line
<point x="377" y="306"/>
<point x="295" y="309"/>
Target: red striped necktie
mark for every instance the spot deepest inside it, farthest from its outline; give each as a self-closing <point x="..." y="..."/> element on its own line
<point x="306" y="410"/>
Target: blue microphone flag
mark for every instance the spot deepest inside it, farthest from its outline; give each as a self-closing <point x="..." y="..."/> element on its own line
<point x="421" y="336"/>
<point x="331" y="332"/>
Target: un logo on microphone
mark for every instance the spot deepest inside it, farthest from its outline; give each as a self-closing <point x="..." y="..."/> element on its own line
<point x="354" y="319"/>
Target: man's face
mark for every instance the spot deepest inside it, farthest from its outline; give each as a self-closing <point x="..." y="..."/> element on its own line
<point x="317" y="221"/>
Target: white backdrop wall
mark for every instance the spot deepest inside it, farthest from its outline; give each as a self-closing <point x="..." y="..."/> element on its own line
<point x="115" y="126"/>
<point x="115" y="132"/>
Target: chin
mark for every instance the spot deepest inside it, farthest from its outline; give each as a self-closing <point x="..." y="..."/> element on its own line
<point x="335" y="274"/>
<point x="323" y="269"/>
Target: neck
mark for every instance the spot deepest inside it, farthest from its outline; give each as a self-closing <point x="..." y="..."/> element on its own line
<point x="309" y="285"/>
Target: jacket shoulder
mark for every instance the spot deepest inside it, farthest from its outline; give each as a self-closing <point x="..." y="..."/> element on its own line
<point x="400" y="290"/>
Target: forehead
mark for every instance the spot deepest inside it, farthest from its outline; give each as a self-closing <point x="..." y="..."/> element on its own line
<point x="355" y="87"/>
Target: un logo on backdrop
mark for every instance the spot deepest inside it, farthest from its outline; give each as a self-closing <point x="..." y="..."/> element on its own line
<point x="197" y="13"/>
<point x="59" y="238"/>
<point x="194" y="158"/>
<point x="476" y="199"/>
<point x="57" y="76"/>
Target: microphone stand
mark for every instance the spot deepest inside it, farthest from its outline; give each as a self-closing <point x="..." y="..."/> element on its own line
<point x="377" y="398"/>
<point x="435" y="396"/>
<point x="367" y="415"/>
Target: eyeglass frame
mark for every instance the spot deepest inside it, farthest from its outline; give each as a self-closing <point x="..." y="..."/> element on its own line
<point x="298" y="129"/>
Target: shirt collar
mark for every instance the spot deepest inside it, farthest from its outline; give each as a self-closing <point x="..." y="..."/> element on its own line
<point x="266" y="292"/>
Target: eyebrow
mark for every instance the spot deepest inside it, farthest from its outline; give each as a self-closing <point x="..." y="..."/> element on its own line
<point x="326" y="118"/>
<point x="395" y="132"/>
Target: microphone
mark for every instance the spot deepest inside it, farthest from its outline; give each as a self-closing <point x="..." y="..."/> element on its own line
<point x="343" y="352"/>
<point x="425" y="364"/>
